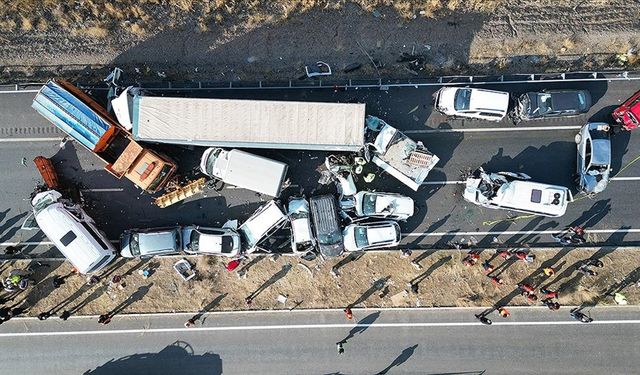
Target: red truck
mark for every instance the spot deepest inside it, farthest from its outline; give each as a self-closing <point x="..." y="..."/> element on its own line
<point x="627" y="116"/>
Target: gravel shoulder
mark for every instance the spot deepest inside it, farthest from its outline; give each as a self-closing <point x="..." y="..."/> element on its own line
<point x="372" y="280"/>
<point x="274" y="43"/>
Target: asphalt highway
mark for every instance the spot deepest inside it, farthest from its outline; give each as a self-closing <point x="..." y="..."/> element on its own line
<point x="544" y="149"/>
<point x="405" y="341"/>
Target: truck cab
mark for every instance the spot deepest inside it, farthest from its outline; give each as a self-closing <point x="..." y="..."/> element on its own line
<point x="627" y="115"/>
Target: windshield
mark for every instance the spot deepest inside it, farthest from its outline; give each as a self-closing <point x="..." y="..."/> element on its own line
<point x="330" y="238"/>
<point x="194" y="245"/>
<point x="134" y="245"/>
<point x="211" y="161"/>
<point x="299" y="215"/>
<point x="462" y="99"/>
<point x="369" y="204"/>
<point x="360" y="234"/>
<point x="158" y="180"/>
<point x="47" y="201"/>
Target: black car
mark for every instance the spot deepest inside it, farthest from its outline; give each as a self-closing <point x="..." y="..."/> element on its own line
<point x="553" y="103"/>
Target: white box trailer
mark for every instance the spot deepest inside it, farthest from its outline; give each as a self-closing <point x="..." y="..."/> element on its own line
<point x="243" y="123"/>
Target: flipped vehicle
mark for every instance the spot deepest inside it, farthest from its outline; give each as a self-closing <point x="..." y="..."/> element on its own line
<point x="395" y="153"/>
<point x="383" y="205"/>
<point x="374" y="235"/>
<point x="472" y="103"/>
<point x="210" y="241"/>
<point x="150" y="242"/>
<point x="594" y="157"/>
<point x="627" y="116"/>
<point x="72" y="231"/>
<point x="552" y="103"/>
<point x="302" y="240"/>
<point x="265" y="221"/>
<point x="244" y="170"/>
<point x="513" y="191"/>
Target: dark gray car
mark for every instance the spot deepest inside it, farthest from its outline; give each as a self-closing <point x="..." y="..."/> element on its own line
<point x="553" y="103"/>
<point x="326" y="224"/>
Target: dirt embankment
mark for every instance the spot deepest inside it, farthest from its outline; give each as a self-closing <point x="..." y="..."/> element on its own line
<point x="266" y="40"/>
<point x="371" y="280"/>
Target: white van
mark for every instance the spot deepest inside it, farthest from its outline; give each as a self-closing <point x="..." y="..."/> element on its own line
<point x="244" y="170"/>
<point x="513" y="191"/>
<point x="73" y="232"/>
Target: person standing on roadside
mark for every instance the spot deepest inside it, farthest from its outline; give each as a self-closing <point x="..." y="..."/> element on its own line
<point x="348" y="313"/>
<point x="340" y="347"/>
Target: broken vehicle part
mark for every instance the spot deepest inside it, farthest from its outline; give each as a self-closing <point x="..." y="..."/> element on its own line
<point x="318" y="69"/>
<point x="181" y="193"/>
<point x="395" y="153"/>
<point x="302" y="239"/>
<point x="47" y="171"/>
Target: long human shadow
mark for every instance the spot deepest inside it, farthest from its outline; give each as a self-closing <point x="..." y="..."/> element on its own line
<point x="177" y="358"/>
<point x="272" y="280"/>
<point x="593" y="215"/>
<point x="133" y="298"/>
<point x="11" y="225"/>
<point x="439" y="263"/>
<point x="399" y="360"/>
<point x="432" y="228"/>
<point x="632" y="278"/>
<point x="361" y="326"/>
<point x="251" y="263"/>
<point x="377" y="285"/>
<point x="352" y="257"/>
<point x="209" y="306"/>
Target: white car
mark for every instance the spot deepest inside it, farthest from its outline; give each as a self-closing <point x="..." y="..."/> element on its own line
<point x="383" y="205"/>
<point x="302" y="240"/>
<point x="210" y="241"/>
<point x="594" y="157"/>
<point x="263" y="223"/>
<point x="513" y="191"/>
<point x="474" y="103"/>
<point x="367" y="236"/>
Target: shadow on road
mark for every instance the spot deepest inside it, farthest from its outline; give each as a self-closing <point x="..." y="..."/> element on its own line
<point x="177" y="358"/>
<point x="362" y="326"/>
<point x="402" y="358"/>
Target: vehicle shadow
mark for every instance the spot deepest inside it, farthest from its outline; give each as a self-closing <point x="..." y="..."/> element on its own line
<point x="177" y="358"/>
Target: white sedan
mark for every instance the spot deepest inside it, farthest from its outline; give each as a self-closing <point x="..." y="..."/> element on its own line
<point x="383" y="205"/>
<point x="210" y="241"/>
<point x="367" y="236"/>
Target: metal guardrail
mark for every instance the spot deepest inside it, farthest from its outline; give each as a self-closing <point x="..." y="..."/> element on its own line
<point x="363" y="83"/>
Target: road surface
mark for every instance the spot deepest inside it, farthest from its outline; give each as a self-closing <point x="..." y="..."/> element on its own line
<point x="544" y="149"/>
<point x="430" y="341"/>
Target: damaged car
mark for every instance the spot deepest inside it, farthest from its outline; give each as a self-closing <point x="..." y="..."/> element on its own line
<point x="368" y="236"/>
<point x="552" y="103"/>
<point x="594" y="157"/>
<point x="265" y="221"/>
<point x="514" y="191"/>
<point x="302" y="240"/>
<point x="197" y="240"/>
<point x="472" y="103"/>
<point x="143" y="243"/>
<point x="405" y="159"/>
<point x="383" y="205"/>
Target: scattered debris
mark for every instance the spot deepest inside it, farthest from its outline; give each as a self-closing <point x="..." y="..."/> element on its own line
<point x="184" y="269"/>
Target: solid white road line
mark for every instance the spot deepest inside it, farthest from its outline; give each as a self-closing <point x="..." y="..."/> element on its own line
<point x="625" y="179"/>
<point x="15" y="140"/>
<point x="513" y="232"/>
<point x="105" y="190"/>
<point x="18" y="91"/>
<point x="305" y="326"/>
<point x="480" y="130"/>
<point x="462" y="182"/>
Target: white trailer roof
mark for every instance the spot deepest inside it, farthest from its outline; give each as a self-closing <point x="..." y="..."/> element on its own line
<point x="249" y="123"/>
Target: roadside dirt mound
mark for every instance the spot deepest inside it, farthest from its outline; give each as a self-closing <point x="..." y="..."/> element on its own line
<point x="371" y="280"/>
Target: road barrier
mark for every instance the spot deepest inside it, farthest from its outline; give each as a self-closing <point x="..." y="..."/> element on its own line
<point x="361" y="83"/>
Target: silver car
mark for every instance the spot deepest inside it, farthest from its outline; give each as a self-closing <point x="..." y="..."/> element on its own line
<point x="383" y="205"/>
<point x="594" y="157"/>
<point x="210" y="241"/>
<point x="375" y="235"/>
<point x="150" y="242"/>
